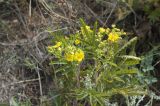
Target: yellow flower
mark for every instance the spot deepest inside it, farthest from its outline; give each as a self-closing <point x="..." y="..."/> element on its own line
<point x="101" y="30"/>
<point x="113" y="37"/>
<point x="73" y="54"/>
<point x="87" y="27"/>
<point x="77" y="41"/>
<point x="58" y="44"/>
<point x="79" y="56"/>
<point x="69" y="56"/>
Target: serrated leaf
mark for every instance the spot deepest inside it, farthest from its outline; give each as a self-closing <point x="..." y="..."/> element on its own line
<point x="119" y="79"/>
<point x="132" y="41"/>
<point x="125" y="71"/>
<point x="130" y="57"/>
<point x="111" y="63"/>
<point x="130" y="60"/>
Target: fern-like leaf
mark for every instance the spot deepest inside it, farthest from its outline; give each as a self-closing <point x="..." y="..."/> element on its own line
<point x="132" y="41"/>
<point x="130" y="60"/>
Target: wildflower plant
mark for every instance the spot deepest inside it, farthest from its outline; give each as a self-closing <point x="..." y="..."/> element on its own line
<point x="92" y="65"/>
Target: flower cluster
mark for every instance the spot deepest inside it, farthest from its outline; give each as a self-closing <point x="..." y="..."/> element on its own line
<point x="52" y="48"/>
<point x="113" y="37"/>
<point x="74" y="54"/>
<point x="70" y="48"/>
<point x="114" y="34"/>
<point x="68" y="53"/>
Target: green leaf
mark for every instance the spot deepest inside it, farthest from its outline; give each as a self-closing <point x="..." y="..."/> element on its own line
<point x="81" y="94"/>
<point x="129" y="91"/>
<point x="84" y="27"/>
<point x="132" y="41"/>
<point x="111" y="63"/>
<point x="124" y="72"/>
<point x="130" y="60"/>
<point x="94" y="34"/>
<point x="130" y="57"/>
<point x="154" y="15"/>
<point x="119" y="79"/>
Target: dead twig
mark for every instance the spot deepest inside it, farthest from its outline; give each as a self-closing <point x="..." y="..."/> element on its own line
<point x="94" y="14"/>
<point x="19" y="82"/>
<point x="104" y="24"/>
<point x="40" y="83"/>
<point x="132" y="10"/>
<point x="30" y="41"/>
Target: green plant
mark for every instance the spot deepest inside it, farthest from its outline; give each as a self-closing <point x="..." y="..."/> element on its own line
<point x="92" y="65"/>
<point x="148" y="64"/>
<point x="152" y="9"/>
